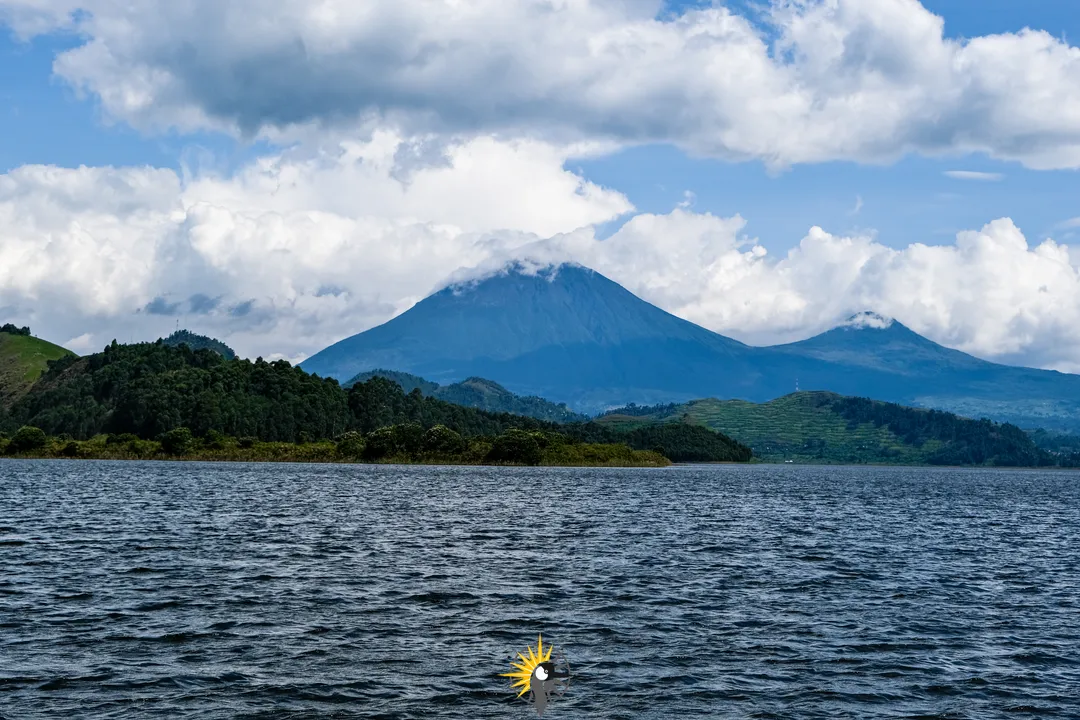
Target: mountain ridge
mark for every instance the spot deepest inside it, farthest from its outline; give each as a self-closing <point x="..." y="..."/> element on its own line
<point x="571" y="335"/>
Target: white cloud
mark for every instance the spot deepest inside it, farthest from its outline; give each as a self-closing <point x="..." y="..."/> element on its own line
<point x="104" y="252"/>
<point x="865" y="80"/>
<point x="290" y="254"/>
<point x="989" y="293"/>
<point x="974" y="175"/>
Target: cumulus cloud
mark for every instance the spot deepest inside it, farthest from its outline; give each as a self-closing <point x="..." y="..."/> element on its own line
<point x="865" y="80"/>
<point x="92" y="254"/>
<point x="287" y="255"/>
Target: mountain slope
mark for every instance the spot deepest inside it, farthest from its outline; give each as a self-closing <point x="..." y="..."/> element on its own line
<point x="572" y="336"/>
<point x="877" y="357"/>
<point x="825" y="427"/>
<point x="23" y="359"/>
<point x="567" y="334"/>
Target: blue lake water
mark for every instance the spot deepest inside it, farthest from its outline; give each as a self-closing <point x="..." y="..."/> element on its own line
<point x="189" y="590"/>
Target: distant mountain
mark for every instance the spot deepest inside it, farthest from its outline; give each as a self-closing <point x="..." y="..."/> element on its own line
<point x="478" y="393"/>
<point x="23" y="359"/>
<point x="199" y="342"/>
<point x="571" y="335"/>
<point x="825" y="427"/>
<point x="567" y="334"/>
<point x="879" y="357"/>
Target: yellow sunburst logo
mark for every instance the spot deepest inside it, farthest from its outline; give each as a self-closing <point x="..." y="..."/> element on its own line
<point x="525" y="668"/>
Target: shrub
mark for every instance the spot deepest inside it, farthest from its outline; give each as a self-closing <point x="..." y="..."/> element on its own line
<point x="70" y="450"/>
<point x="121" y="439"/>
<point x="215" y="440"/>
<point x="394" y="441"/>
<point x="515" y="447"/>
<point x="441" y="440"/>
<point x="27" y="439"/>
<point x="247" y="442"/>
<point x="351" y="445"/>
<point x="177" y="442"/>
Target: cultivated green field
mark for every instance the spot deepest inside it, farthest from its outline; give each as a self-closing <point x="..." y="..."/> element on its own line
<point x="801" y="427"/>
<point x="22" y="361"/>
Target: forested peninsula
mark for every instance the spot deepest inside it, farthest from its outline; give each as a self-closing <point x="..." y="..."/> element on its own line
<point x="156" y="400"/>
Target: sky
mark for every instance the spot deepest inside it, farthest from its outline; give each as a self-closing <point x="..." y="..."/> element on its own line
<point x="285" y="173"/>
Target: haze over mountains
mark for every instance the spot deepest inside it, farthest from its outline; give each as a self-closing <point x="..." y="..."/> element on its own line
<point x="571" y="335"/>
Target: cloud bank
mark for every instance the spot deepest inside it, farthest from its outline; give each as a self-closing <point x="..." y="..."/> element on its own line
<point x="864" y="80"/>
<point x="276" y="266"/>
<point x="426" y="136"/>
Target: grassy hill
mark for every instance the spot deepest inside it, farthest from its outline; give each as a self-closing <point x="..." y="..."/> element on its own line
<point x="827" y="428"/>
<point x="23" y="359"/>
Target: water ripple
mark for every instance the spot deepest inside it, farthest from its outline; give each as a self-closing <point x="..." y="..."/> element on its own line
<point x="287" y="591"/>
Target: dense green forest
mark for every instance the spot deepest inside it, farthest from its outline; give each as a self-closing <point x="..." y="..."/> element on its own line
<point x="964" y="441"/>
<point x="147" y="391"/>
<point x="825" y="427"/>
<point x="478" y="393"/>
<point x="199" y="342"/>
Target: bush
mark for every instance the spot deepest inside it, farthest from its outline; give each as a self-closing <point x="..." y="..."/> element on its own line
<point x="121" y="439"/>
<point x="351" y="445"/>
<point x="247" y="442"/>
<point x="27" y="439"/>
<point x="9" y="328"/>
<point x="394" y="441"/>
<point x="515" y="447"/>
<point x="441" y="440"/>
<point x="177" y="442"/>
<point x="215" y="440"/>
<point x="70" y="450"/>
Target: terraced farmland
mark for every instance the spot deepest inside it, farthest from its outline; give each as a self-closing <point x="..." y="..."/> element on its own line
<point x="802" y="427"/>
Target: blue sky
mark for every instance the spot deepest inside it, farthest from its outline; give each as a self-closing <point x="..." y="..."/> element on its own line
<point x="402" y="142"/>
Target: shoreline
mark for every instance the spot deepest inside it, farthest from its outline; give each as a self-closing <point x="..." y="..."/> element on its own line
<point x="450" y="463"/>
<point x="434" y="462"/>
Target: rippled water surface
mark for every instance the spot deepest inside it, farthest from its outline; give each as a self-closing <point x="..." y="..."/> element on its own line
<point x="132" y="590"/>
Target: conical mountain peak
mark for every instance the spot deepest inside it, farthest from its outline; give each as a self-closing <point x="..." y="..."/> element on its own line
<point x="868" y="320"/>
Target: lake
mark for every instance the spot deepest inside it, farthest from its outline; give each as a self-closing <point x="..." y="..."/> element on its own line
<point x="189" y="590"/>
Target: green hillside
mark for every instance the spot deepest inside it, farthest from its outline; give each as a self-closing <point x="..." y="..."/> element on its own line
<point x="478" y="393"/>
<point x="828" y="428"/>
<point x="151" y="391"/>
<point x="23" y="359"/>
<point x="199" y="342"/>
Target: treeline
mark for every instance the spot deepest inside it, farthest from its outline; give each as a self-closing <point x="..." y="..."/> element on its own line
<point x="966" y="441"/>
<point x="678" y="441"/>
<point x="635" y="410"/>
<point x="478" y="393"/>
<point x="12" y="330"/>
<point x="407" y="443"/>
<point x="199" y="342"/>
<point x="152" y="389"/>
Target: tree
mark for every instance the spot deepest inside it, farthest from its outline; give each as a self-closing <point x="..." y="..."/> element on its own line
<point x="12" y="330"/>
<point x="27" y="439"/>
<point x="515" y="447"/>
<point x="179" y="441"/>
<point x="351" y="445"/>
<point x="441" y="440"/>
